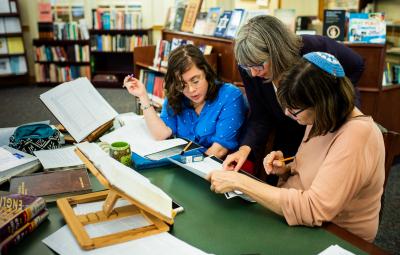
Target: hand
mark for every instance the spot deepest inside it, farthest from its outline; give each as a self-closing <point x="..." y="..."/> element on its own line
<point x="135" y="87"/>
<point x="273" y="164"/>
<point x="224" y="181"/>
<point x="236" y="160"/>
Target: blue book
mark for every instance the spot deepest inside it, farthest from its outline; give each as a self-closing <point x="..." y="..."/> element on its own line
<point x="105" y="19"/>
<point x="150" y="82"/>
<point x="223" y="24"/>
<point x="367" y="28"/>
<point x="234" y="23"/>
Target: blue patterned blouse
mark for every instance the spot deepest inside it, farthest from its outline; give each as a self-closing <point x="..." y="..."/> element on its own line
<point x="219" y="121"/>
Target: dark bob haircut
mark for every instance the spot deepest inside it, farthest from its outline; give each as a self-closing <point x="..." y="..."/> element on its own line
<point x="306" y="86"/>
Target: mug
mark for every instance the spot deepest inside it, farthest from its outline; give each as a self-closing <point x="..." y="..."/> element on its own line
<point x="121" y="151"/>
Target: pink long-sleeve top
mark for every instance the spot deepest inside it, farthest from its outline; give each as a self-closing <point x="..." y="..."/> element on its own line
<point x="338" y="177"/>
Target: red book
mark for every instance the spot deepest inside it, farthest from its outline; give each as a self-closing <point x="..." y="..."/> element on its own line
<point x="23" y="231"/>
<point x="16" y="210"/>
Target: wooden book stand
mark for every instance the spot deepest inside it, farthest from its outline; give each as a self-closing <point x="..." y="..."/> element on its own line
<point x="91" y="137"/>
<point x="77" y="222"/>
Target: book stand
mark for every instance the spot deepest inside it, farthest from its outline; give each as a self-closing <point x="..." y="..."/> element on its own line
<point x="77" y="222"/>
<point x="91" y="137"/>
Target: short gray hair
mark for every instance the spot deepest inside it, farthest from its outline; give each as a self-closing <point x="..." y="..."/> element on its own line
<point x="266" y="38"/>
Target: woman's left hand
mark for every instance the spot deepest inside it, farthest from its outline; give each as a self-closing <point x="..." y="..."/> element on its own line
<point x="223" y="181"/>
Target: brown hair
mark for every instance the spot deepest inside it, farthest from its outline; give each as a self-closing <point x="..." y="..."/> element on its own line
<point x="180" y="61"/>
<point x="307" y="86"/>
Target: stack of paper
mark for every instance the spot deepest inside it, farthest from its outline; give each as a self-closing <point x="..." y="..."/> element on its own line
<point x="59" y="158"/>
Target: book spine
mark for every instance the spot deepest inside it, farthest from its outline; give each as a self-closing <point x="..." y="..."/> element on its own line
<point x="23" y="231"/>
<point x="22" y="218"/>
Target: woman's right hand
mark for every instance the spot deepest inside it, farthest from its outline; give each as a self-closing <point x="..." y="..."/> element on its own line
<point x="135" y="87"/>
<point x="235" y="160"/>
<point x="273" y="163"/>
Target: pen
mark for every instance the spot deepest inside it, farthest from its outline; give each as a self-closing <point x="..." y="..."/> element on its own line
<point x="130" y="76"/>
<point x="186" y="147"/>
<point x="286" y="159"/>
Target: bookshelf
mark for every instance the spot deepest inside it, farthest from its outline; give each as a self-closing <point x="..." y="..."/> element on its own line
<point x="13" y="61"/>
<point x="62" y="51"/>
<point x="380" y="101"/>
<point x="112" y="52"/>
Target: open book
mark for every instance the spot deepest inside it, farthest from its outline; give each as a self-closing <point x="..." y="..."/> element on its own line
<point x="128" y="180"/>
<point x="79" y="107"/>
<point x="203" y="168"/>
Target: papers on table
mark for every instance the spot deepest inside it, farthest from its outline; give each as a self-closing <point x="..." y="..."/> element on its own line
<point x="203" y="168"/>
<point x="86" y="208"/>
<point x="59" y="158"/>
<point x="138" y="136"/>
<point x="63" y="242"/>
<point x="128" y="180"/>
<point x="79" y="107"/>
<point x="335" y="250"/>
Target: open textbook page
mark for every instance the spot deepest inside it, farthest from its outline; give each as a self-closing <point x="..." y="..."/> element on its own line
<point x="79" y="107"/>
<point x="203" y="168"/>
<point x="59" y="158"/>
<point x="138" y="136"/>
<point x="63" y="242"/>
<point x="128" y="180"/>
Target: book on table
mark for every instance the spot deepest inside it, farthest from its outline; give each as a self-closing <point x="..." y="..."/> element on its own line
<point x="16" y="210"/>
<point x="80" y="109"/>
<point x="52" y="185"/>
<point x="15" y="162"/>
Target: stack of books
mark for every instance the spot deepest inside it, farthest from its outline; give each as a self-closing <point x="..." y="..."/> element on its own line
<point x="19" y="216"/>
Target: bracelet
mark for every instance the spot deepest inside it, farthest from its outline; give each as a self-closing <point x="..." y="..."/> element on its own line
<point x="146" y="107"/>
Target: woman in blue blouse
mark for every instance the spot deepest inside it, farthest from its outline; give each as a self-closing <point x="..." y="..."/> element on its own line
<point x="198" y="107"/>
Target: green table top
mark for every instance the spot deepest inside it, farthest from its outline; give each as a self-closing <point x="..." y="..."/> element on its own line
<point x="211" y="222"/>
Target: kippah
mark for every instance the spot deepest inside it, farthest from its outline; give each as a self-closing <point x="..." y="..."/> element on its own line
<point x="326" y="62"/>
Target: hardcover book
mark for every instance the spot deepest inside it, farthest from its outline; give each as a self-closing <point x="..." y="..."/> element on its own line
<point x="180" y="12"/>
<point x="16" y="210"/>
<point x="367" y="27"/>
<point x="212" y="20"/>
<point x="223" y="24"/>
<point x="334" y="24"/>
<point x="29" y="227"/>
<point x="192" y="9"/>
<point x="201" y="22"/>
<point x="234" y="23"/>
<point x="52" y="185"/>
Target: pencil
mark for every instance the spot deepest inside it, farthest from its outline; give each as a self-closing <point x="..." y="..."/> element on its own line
<point x="186" y="147"/>
<point x="286" y="159"/>
<point x="130" y="76"/>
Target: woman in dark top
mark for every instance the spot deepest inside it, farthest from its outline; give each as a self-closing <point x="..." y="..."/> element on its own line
<point x="264" y="49"/>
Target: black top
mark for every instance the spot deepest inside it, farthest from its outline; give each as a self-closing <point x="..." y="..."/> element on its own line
<point x="265" y="112"/>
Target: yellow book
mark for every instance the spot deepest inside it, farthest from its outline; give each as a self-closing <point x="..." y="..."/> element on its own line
<point x="15" y="45"/>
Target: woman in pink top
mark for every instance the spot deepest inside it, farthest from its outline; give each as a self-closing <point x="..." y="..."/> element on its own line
<point x="338" y="172"/>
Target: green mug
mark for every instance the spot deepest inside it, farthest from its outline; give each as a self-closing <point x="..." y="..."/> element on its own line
<point x="121" y="151"/>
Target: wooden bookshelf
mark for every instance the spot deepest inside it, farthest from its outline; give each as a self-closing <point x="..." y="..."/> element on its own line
<point x="226" y="63"/>
<point x="52" y="42"/>
<point x="11" y="74"/>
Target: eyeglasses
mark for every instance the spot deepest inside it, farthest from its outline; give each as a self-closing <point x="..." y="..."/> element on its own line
<point x="294" y="114"/>
<point x="258" y="68"/>
<point x="195" y="82"/>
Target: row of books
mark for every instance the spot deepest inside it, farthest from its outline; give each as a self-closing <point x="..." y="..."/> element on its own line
<point x="119" y="18"/>
<point x="11" y="45"/>
<point x="10" y="25"/>
<point x="19" y="216"/>
<point x="71" y="53"/>
<point x="55" y="73"/>
<point x="117" y="42"/>
<point x="215" y="22"/>
<point x="164" y="47"/>
<point x="391" y="74"/>
<point x="63" y="30"/>
<point x="154" y="83"/>
<point x="13" y="65"/>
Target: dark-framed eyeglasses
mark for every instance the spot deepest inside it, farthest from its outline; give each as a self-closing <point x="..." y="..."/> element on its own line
<point x="258" y="68"/>
<point x="194" y="83"/>
<point x="294" y="114"/>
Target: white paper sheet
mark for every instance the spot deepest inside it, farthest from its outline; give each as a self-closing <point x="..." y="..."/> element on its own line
<point x="79" y="107"/>
<point x="335" y="250"/>
<point x="86" y="208"/>
<point x="201" y="168"/>
<point x="63" y="157"/>
<point x="10" y="159"/>
<point x="64" y="243"/>
<point x="138" y="136"/>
